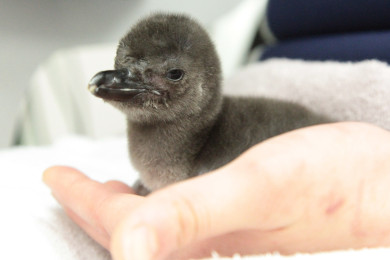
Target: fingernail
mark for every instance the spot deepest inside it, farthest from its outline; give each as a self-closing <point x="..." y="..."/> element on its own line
<point x="141" y="243"/>
<point x="45" y="176"/>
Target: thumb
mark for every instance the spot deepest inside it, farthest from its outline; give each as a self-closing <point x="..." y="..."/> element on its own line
<point x="183" y="214"/>
<point x="236" y="197"/>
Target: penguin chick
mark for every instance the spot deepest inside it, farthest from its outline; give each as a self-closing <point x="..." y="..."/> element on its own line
<point x="167" y="81"/>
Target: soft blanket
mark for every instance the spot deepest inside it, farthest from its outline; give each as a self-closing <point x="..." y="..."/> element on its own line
<point x="343" y="91"/>
<point x="34" y="226"/>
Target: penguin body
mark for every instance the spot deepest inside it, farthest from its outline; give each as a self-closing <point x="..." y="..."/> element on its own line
<point x="167" y="81"/>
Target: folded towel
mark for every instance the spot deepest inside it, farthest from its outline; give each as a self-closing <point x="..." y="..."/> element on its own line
<point x="343" y="91"/>
<point x="35" y="226"/>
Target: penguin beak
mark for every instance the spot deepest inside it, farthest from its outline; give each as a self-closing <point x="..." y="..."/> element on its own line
<point x="118" y="85"/>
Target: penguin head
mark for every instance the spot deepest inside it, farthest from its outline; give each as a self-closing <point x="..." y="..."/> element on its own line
<point x="166" y="68"/>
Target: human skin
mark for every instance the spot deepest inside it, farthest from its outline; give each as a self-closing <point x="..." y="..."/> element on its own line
<point x="315" y="189"/>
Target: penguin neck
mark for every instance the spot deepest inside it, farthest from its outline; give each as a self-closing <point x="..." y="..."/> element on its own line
<point x="162" y="132"/>
<point x="178" y="132"/>
<point x="184" y="136"/>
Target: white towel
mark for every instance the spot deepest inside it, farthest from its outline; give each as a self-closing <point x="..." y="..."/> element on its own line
<point x="344" y="91"/>
<point x="33" y="226"/>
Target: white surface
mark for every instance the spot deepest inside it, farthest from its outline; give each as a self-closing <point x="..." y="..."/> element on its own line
<point x="59" y="104"/>
<point x="234" y="32"/>
<point x="32" y="224"/>
<point x="364" y="254"/>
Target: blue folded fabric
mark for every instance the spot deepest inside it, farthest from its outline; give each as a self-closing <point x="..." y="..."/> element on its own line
<point x="343" y="47"/>
<point x="289" y="19"/>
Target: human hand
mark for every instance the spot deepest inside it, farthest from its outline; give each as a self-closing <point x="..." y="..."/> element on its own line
<point x="314" y="189"/>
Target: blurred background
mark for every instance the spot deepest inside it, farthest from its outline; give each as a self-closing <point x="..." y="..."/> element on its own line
<point x="35" y="31"/>
<point x="50" y="49"/>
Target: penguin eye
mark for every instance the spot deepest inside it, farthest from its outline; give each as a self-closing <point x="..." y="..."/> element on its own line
<point x="175" y="74"/>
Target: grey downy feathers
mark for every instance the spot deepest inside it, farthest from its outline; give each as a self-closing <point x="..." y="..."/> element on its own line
<point x="167" y="81"/>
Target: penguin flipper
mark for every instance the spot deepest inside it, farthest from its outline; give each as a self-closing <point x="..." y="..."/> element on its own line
<point x="140" y="189"/>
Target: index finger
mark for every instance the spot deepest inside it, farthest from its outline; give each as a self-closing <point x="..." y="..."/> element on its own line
<point x="100" y="205"/>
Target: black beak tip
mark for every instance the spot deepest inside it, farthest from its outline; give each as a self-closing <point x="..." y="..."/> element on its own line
<point x="96" y="81"/>
<point x="114" y="85"/>
<point x="93" y="89"/>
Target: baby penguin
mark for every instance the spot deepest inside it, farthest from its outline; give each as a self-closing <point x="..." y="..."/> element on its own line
<point x="167" y="81"/>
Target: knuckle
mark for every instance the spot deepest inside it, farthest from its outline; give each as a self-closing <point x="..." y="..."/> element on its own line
<point x="189" y="219"/>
